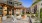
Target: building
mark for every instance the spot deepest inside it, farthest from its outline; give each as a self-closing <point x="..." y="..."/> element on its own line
<point x="12" y="8"/>
<point x="36" y="7"/>
<point x="28" y="10"/>
<point x="39" y="4"/>
<point x="3" y="1"/>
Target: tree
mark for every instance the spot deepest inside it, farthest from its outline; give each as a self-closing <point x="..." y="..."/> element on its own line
<point x="36" y="2"/>
<point x="41" y="13"/>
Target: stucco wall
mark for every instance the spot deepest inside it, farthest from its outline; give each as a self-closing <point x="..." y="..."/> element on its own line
<point x="3" y="1"/>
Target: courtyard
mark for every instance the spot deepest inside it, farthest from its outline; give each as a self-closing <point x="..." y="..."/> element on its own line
<point x="10" y="20"/>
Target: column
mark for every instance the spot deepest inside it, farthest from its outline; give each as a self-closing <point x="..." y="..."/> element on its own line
<point x="0" y="19"/>
<point x="25" y="16"/>
<point x="14" y="12"/>
<point x="21" y="11"/>
<point x="4" y="12"/>
<point x="10" y="12"/>
<point x="25" y="11"/>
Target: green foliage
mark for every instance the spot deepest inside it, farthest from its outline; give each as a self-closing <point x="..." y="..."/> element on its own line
<point x="40" y="10"/>
<point x="41" y="15"/>
<point x="41" y="21"/>
<point x="36" y="2"/>
<point x="36" y="14"/>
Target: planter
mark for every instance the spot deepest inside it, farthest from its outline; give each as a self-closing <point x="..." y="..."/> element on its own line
<point x="18" y="17"/>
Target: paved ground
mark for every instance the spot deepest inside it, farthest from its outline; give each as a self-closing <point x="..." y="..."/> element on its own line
<point x="16" y="21"/>
<point x="10" y="20"/>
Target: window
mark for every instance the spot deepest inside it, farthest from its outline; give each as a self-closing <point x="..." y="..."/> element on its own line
<point x="15" y="5"/>
<point x="0" y="7"/>
<point x="10" y="2"/>
<point x="20" y="4"/>
<point x="0" y="12"/>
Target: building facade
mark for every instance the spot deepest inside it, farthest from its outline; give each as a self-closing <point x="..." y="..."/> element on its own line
<point x="34" y="9"/>
<point x="12" y="8"/>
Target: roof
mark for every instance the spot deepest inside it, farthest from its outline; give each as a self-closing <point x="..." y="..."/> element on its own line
<point x="15" y="7"/>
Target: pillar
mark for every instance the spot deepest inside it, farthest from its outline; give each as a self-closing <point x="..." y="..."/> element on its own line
<point x="10" y="12"/>
<point x="25" y="11"/>
<point x="21" y="11"/>
<point x="25" y="16"/>
<point x="14" y="12"/>
<point x="4" y="10"/>
<point x="0" y="19"/>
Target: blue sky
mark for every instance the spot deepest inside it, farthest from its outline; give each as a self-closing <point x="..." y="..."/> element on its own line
<point x="26" y="3"/>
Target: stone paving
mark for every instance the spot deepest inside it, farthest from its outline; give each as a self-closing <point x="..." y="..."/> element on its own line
<point x="16" y="21"/>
